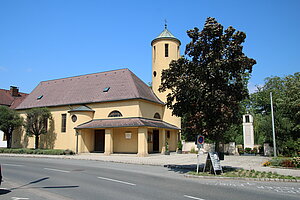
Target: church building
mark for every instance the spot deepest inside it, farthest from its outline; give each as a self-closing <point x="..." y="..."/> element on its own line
<point x="108" y="112"/>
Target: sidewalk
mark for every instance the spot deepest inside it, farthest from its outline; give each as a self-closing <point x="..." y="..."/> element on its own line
<point x="173" y="160"/>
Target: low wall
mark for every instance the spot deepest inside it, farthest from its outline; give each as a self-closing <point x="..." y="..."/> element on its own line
<point x="229" y="148"/>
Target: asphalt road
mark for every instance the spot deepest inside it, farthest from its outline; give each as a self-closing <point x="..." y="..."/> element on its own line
<point x="41" y="178"/>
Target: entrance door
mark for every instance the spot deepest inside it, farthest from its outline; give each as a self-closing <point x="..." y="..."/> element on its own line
<point x="99" y="141"/>
<point x="155" y="140"/>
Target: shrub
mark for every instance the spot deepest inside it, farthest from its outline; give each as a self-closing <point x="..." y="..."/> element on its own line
<point x="179" y="145"/>
<point x="287" y="163"/>
<point x="296" y="161"/>
<point x="241" y="151"/>
<point x="248" y="150"/>
<point x="193" y="150"/>
<point x="38" y="151"/>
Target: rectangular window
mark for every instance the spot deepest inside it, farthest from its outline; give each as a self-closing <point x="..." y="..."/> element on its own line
<point x="63" y="122"/>
<point x="154" y="53"/>
<point x="168" y="134"/>
<point x="247" y="118"/>
<point x="166" y="50"/>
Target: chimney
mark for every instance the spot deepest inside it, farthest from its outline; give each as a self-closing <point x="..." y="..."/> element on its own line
<point x="14" y="91"/>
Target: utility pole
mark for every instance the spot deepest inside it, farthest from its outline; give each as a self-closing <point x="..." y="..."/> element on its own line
<point x="273" y="126"/>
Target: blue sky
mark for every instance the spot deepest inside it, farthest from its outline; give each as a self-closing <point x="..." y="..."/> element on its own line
<point x="49" y="39"/>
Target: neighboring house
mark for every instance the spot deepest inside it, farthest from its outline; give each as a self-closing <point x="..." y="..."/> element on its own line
<point x="10" y="98"/>
<point x="110" y="112"/>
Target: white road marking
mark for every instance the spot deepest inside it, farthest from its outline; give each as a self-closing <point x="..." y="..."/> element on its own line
<point x="57" y="170"/>
<point x="14" y="165"/>
<point x="191" y="197"/>
<point x="113" y="180"/>
<point x="18" y="198"/>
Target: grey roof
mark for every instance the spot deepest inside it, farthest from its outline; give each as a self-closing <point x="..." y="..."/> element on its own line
<point x="126" y="122"/>
<point x="123" y="85"/>
<point x="166" y="34"/>
<point x="81" y="108"/>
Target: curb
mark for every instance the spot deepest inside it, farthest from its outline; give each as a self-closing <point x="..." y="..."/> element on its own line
<point x="244" y="179"/>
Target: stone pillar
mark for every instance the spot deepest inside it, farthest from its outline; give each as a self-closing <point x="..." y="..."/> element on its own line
<point x="163" y="141"/>
<point x="108" y="148"/>
<point x="248" y="131"/>
<point x="142" y="142"/>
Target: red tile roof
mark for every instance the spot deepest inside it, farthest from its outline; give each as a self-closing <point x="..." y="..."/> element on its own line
<point x="89" y="88"/>
<point x="126" y="122"/>
<point x="7" y="99"/>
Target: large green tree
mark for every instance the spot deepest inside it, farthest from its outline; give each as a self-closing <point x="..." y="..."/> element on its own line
<point x="9" y="121"/>
<point x="286" y="102"/>
<point x="208" y="84"/>
<point x="36" y="123"/>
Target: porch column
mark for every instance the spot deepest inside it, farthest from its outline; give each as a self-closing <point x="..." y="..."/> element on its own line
<point x="142" y="142"/>
<point x="108" y="144"/>
<point x="163" y="141"/>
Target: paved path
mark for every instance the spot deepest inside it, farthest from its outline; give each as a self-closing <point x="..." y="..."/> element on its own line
<point x="179" y="160"/>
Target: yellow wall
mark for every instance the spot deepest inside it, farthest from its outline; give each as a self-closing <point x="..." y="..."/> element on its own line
<point x="148" y="109"/>
<point x="129" y="108"/>
<point x="123" y="145"/>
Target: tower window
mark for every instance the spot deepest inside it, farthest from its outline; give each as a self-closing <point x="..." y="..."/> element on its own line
<point x="154" y="53"/>
<point x="154" y="73"/>
<point x="247" y="118"/>
<point x="166" y="50"/>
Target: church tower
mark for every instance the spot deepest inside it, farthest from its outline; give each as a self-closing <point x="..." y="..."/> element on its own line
<point x="165" y="48"/>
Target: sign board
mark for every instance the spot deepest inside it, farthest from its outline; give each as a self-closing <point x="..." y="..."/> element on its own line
<point x="213" y="163"/>
<point x="128" y="135"/>
<point x="200" y="139"/>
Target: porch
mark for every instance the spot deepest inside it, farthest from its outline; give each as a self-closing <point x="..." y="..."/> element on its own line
<point x="126" y="135"/>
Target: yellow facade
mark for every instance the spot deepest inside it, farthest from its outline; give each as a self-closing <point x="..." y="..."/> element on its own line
<point x="115" y="138"/>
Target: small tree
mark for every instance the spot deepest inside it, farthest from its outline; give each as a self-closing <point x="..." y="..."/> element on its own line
<point x="207" y="86"/>
<point x="36" y="123"/>
<point x="9" y="121"/>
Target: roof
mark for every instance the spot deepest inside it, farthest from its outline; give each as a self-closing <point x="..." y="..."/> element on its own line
<point x="126" y="122"/>
<point x="165" y="34"/>
<point x="81" y="108"/>
<point x="122" y="85"/>
<point x="7" y="99"/>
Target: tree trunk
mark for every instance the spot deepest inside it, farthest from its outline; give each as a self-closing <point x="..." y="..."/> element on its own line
<point x="8" y="140"/>
<point x="217" y="147"/>
<point x="37" y="137"/>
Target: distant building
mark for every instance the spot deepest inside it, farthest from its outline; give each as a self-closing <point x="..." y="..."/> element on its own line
<point x="109" y="112"/>
<point x="10" y="98"/>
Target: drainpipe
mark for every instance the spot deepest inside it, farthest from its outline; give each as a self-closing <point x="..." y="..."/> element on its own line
<point x="77" y="141"/>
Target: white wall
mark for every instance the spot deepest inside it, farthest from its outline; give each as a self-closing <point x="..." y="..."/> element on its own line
<point x="2" y="143"/>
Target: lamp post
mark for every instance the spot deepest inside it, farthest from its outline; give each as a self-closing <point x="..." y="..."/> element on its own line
<point x="273" y="126"/>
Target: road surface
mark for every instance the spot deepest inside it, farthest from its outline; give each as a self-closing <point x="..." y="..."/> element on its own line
<point x="63" y="179"/>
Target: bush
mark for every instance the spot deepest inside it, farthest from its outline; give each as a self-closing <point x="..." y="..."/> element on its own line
<point x="193" y="150"/>
<point x="287" y="163"/>
<point x="38" y="151"/>
<point x="241" y="151"/>
<point x="179" y="145"/>
<point x="247" y="150"/>
<point x="296" y="161"/>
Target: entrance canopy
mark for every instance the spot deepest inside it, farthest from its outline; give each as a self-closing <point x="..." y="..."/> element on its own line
<point x="126" y="122"/>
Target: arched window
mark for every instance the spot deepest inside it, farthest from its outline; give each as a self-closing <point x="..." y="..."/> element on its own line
<point x="115" y="113"/>
<point x="157" y="116"/>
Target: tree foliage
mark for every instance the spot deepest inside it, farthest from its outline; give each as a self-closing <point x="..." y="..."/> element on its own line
<point x="36" y="123"/>
<point x="286" y="102"/>
<point x="9" y="121"/>
<point x="208" y="84"/>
